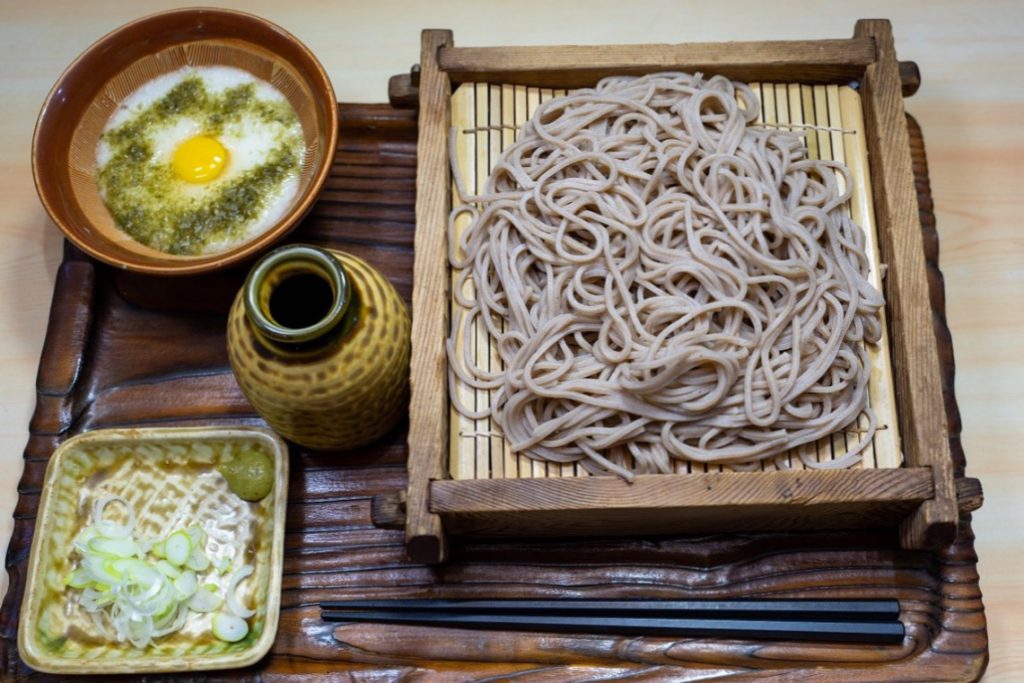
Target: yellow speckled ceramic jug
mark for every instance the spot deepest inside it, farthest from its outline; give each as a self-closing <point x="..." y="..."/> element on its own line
<point x="319" y="343"/>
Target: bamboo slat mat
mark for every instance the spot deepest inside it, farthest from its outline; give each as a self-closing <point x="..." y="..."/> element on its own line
<point x="487" y="118"/>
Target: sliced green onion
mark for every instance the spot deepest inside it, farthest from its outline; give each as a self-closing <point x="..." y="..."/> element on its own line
<point x="206" y="599"/>
<point x="82" y="540"/>
<point x="186" y="585"/>
<point x="178" y="548"/>
<point x="114" y="547"/>
<point x="198" y="535"/>
<point x="100" y="569"/>
<point x="167" y="569"/>
<point x="180" y="615"/>
<point x="161" y="617"/>
<point x="229" y="628"/>
<point x="138" y="571"/>
<point x="143" y="590"/>
<point x="108" y="528"/>
<point x="135" y="589"/>
<point x="198" y="560"/>
<point x="78" y="579"/>
<point x="138" y="630"/>
<point x="231" y="595"/>
<point x="93" y="599"/>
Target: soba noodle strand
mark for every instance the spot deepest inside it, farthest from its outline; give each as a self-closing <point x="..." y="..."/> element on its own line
<point x="664" y="281"/>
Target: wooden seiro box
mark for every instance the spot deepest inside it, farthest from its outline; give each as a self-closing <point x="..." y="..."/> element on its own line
<point x="462" y="477"/>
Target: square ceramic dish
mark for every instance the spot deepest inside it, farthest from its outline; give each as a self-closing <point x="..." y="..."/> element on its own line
<point x="170" y="479"/>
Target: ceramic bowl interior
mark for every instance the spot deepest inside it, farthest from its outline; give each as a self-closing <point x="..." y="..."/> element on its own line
<point x="78" y="107"/>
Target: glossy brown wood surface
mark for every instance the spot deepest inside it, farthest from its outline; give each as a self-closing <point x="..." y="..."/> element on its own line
<point x="574" y="66"/>
<point x="915" y="354"/>
<point x="428" y="404"/>
<point x="129" y="350"/>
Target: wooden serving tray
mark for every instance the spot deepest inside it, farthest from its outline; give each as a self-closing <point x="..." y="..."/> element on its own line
<point x="131" y="350"/>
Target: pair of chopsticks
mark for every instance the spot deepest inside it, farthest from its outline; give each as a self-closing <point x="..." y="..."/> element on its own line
<point x="853" y="621"/>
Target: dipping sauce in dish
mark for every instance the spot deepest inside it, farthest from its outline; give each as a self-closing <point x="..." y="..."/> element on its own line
<point x="200" y="159"/>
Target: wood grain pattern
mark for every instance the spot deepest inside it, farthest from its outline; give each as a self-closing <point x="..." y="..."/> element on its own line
<point x="67" y="335"/>
<point x="403" y="88"/>
<point x="664" y="504"/>
<point x="332" y="550"/>
<point x="573" y="66"/>
<point x="428" y="410"/>
<point x="462" y="428"/>
<point x="918" y="381"/>
<point x="862" y="207"/>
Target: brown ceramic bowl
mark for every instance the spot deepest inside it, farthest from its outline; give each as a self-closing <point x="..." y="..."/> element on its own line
<point x="78" y="107"/>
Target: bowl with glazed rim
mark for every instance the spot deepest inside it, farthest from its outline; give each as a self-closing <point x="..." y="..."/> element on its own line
<point x="73" y="118"/>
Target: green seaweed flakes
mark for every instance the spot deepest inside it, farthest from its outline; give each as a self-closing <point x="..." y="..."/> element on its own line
<point x="155" y="207"/>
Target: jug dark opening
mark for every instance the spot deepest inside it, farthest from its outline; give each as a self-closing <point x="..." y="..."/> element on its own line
<point x="301" y="300"/>
<point x="299" y="295"/>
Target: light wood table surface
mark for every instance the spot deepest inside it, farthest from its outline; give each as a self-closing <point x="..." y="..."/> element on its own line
<point x="971" y="107"/>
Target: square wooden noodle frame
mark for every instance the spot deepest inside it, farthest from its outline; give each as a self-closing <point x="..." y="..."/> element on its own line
<point x="919" y="497"/>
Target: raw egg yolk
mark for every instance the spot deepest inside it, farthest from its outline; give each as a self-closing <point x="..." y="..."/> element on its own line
<point x="199" y="159"/>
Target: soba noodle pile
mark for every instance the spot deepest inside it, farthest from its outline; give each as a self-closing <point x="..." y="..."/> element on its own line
<point x="664" y="280"/>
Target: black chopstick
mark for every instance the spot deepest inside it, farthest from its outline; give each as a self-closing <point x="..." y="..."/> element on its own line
<point x="889" y="632"/>
<point x="803" y="610"/>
